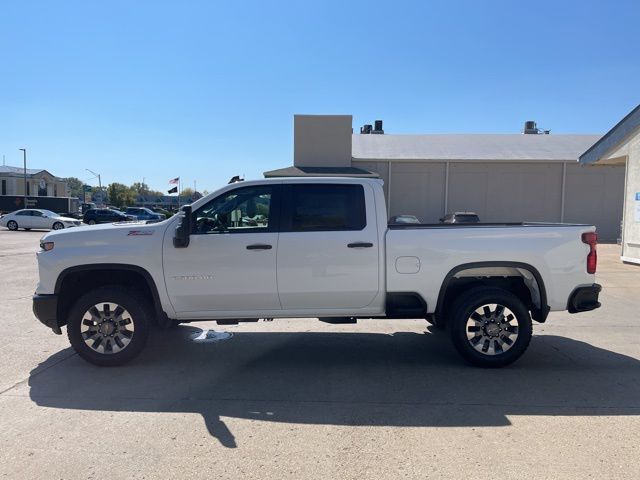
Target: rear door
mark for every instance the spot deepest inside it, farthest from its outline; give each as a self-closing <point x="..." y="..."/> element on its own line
<point x="328" y="247"/>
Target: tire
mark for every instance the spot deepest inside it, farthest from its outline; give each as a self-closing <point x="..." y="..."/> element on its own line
<point x="12" y="225"/>
<point x="91" y="222"/>
<point x="101" y="335"/>
<point x="490" y="327"/>
<point x="58" y="226"/>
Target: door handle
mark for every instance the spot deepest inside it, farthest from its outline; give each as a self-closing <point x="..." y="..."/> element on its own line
<point x="259" y="246"/>
<point x="360" y="245"/>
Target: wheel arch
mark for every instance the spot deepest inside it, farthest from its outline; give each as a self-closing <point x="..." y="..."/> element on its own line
<point x="99" y="274"/>
<point x="484" y="275"/>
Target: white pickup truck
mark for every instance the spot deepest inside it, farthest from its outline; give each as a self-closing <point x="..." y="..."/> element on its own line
<point x="317" y="248"/>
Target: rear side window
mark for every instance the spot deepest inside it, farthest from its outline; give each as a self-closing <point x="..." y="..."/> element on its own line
<point x="326" y="207"/>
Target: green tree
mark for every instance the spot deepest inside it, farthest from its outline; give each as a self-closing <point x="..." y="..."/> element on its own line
<point x="75" y="187"/>
<point x="140" y="188"/>
<point x="120" y="195"/>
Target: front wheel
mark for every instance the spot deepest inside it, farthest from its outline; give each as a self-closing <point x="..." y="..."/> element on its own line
<point x="490" y="327"/>
<point x="58" y="226"/>
<point x="12" y="225"/>
<point x="109" y="325"/>
<point x="91" y="222"/>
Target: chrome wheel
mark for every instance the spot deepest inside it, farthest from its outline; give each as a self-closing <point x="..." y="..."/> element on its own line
<point x="12" y="225"/>
<point x="492" y="329"/>
<point x="58" y="226"/>
<point x="107" y="328"/>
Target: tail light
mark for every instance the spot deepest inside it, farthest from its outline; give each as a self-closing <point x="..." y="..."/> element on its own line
<point x="591" y="239"/>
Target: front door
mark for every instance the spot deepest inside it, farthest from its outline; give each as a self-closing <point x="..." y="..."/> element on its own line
<point x="328" y="250"/>
<point x="230" y="263"/>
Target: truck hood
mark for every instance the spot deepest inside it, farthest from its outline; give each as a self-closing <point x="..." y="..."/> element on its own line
<point x="105" y="233"/>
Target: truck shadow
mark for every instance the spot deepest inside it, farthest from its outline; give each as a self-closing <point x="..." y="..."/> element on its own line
<point x="404" y="379"/>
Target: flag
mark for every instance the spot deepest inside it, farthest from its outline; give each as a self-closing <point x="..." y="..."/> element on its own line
<point x="174" y="181"/>
<point x="173" y="190"/>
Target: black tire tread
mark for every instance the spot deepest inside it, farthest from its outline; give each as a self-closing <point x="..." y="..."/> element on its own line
<point x="460" y="313"/>
<point x="137" y="305"/>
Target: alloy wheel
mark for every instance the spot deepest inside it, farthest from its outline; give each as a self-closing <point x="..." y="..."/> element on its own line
<point x="492" y="329"/>
<point x="107" y="328"/>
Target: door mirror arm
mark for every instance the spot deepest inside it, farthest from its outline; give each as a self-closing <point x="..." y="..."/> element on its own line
<point x="183" y="230"/>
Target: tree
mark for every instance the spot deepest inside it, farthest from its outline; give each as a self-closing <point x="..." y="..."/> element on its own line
<point x="120" y="195"/>
<point x="75" y="187"/>
<point x="140" y="188"/>
<point x="187" y="192"/>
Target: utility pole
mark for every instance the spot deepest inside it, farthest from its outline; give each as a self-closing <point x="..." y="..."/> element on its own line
<point x="24" y="158"/>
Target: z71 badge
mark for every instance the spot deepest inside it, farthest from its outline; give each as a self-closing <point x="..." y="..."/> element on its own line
<point x="135" y="233"/>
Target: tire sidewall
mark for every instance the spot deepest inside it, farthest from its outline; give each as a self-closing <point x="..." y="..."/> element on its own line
<point x="12" y="225"/>
<point x="61" y="226"/>
<point x="467" y="303"/>
<point x="132" y="302"/>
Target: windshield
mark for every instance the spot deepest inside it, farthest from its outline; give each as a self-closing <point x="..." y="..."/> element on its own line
<point x="49" y="213"/>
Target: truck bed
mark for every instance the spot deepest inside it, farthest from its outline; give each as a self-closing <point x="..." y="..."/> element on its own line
<point x="411" y="226"/>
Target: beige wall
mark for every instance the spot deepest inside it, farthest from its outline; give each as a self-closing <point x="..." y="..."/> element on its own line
<point x="322" y="140"/>
<point x="15" y="186"/>
<point x="595" y="195"/>
<point x="505" y="191"/>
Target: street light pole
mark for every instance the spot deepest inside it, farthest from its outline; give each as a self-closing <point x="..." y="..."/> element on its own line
<point x="24" y="158"/>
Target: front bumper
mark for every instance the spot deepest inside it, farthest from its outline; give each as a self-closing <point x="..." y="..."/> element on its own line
<point x="45" y="308"/>
<point x="584" y="299"/>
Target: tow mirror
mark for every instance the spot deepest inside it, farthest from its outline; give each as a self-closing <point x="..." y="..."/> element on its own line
<point x="183" y="230"/>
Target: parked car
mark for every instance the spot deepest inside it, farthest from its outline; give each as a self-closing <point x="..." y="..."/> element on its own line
<point x="29" y="218"/>
<point x="142" y="213"/>
<point x="460" y="217"/>
<point x="84" y="207"/>
<point x="323" y="250"/>
<point x="403" y="219"/>
<point x="106" y="215"/>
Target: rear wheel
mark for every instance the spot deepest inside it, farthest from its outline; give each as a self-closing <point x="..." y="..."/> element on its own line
<point x="12" y="225"/>
<point x="91" y="222"/>
<point x="490" y="327"/>
<point x="109" y="325"/>
<point x="58" y="226"/>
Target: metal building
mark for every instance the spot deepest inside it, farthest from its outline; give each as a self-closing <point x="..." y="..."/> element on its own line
<point x="501" y="177"/>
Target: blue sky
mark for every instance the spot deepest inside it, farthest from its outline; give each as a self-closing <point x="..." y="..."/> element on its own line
<point x="207" y="90"/>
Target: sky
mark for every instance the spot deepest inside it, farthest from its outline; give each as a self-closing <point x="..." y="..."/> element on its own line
<point x="204" y="90"/>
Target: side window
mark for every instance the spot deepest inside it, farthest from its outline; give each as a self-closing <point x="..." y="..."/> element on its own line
<point x="24" y="213"/>
<point x="317" y="207"/>
<point x="238" y="211"/>
<point x="36" y="213"/>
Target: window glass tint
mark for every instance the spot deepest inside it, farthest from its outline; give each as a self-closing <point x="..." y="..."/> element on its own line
<point x="327" y="207"/>
<point x="241" y="210"/>
<point x="24" y="213"/>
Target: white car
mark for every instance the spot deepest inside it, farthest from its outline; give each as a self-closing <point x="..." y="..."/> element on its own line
<point x="29" y="218"/>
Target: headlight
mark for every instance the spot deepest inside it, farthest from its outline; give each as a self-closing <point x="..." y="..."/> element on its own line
<point x="46" y="246"/>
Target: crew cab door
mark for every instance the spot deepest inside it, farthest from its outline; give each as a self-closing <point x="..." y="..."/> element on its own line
<point x="328" y="247"/>
<point x="230" y="262"/>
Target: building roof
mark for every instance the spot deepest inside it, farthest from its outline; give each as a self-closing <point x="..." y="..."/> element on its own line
<point x="469" y="147"/>
<point x="612" y="138"/>
<point x="321" y="172"/>
<point x="8" y="171"/>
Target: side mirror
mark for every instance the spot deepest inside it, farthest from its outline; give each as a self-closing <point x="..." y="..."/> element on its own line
<point x="183" y="230"/>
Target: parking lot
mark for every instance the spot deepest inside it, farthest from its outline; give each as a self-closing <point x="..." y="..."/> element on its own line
<point x="303" y="399"/>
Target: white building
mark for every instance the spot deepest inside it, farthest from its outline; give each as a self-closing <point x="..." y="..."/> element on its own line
<point x="620" y="147"/>
<point x="501" y="177"/>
